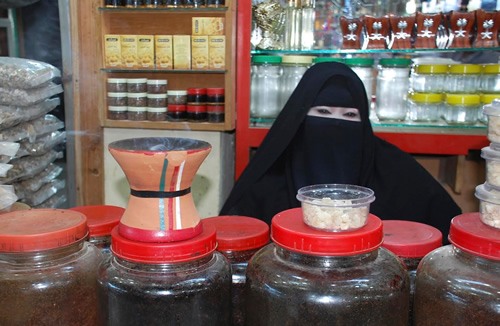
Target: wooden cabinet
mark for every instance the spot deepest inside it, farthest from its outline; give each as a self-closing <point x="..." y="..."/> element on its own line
<point x="89" y="21"/>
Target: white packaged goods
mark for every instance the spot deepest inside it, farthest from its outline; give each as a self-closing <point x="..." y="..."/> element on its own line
<point x="26" y="73"/>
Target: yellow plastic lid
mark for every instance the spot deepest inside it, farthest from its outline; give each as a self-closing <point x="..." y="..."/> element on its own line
<point x="431" y="69"/>
<point x="491" y="69"/>
<point x="488" y="98"/>
<point x="467" y="69"/>
<point x="427" y="97"/>
<point x="300" y="59"/>
<point x="462" y="99"/>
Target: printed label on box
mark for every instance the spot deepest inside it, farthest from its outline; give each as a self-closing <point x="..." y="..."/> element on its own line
<point x="146" y="51"/>
<point x="112" y="50"/>
<point x="199" y="52"/>
<point x="208" y="26"/>
<point x="163" y="51"/>
<point x="182" y="51"/>
<point x="129" y="51"/>
<point x="217" y="52"/>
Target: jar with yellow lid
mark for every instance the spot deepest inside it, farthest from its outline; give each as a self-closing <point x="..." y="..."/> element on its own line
<point x="294" y="66"/>
<point x="486" y="99"/>
<point x="463" y="78"/>
<point x="490" y="78"/>
<point x="425" y="107"/>
<point x="461" y="109"/>
<point x="428" y="78"/>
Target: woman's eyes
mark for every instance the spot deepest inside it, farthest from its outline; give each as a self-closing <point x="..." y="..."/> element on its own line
<point x="323" y="111"/>
<point x="351" y="114"/>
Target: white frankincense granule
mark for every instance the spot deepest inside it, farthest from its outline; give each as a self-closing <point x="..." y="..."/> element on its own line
<point x="490" y="214"/>
<point x="494" y="128"/>
<point x="322" y="214"/>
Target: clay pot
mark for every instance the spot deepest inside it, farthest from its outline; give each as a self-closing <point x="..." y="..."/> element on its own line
<point x="486" y="29"/>
<point x="160" y="172"/>
<point x="402" y="29"/>
<point x="461" y="25"/>
<point x="426" y="31"/>
<point x="351" y="32"/>
<point x="377" y="31"/>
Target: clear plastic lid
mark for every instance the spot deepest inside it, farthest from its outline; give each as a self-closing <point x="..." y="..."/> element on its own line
<point x="137" y="109"/>
<point x="113" y="94"/>
<point x="339" y="195"/>
<point x="117" y="80"/>
<point x="490" y="153"/>
<point x="135" y="95"/>
<point x="157" y="82"/>
<point x="486" y="192"/>
<point x="157" y="95"/>
<point x="177" y="92"/>
<point x="117" y="108"/>
<point x="157" y="109"/>
<point x="137" y="80"/>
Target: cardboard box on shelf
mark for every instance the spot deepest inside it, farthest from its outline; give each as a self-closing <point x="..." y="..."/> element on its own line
<point x="207" y="26"/>
<point x="128" y="45"/>
<point x="182" y="51"/>
<point x="217" y="52"/>
<point x="199" y="52"/>
<point x="146" y="51"/>
<point x="164" y="51"/>
<point x="112" y="51"/>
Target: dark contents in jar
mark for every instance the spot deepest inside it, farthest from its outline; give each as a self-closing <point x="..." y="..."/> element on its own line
<point x="117" y="115"/>
<point x="177" y="300"/>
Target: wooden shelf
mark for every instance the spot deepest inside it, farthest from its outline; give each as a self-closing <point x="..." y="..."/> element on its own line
<point x="183" y="125"/>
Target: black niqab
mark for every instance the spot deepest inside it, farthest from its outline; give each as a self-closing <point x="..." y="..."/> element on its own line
<point x="403" y="188"/>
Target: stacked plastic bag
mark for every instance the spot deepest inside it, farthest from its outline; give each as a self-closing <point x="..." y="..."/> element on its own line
<point x="30" y="137"/>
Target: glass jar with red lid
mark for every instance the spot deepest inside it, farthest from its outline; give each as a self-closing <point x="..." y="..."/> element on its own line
<point x="458" y="284"/>
<point x="181" y="282"/>
<point x="215" y="104"/>
<point x="238" y="239"/>
<point x="101" y="219"/>
<point x="47" y="270"/>
<point x="411" y="241"/>
<point x="309" y="276"/>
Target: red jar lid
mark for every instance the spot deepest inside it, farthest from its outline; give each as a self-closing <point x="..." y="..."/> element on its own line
<point x="215" y="91"/>
<point x="289" y="231"/>
<point x="41" y="229"/>
<point x="197" y="91"/>
<point x="176" y="108"/>
<point x="468" y="233"/>
<point x="410" y="239"/>
<point x="101" y="219"/>
<point x="238" y="233"/>
<point x="164" y="252"/>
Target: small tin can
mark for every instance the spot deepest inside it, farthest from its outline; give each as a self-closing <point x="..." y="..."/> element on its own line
<point x="157" y="100"/>
<point x="137" y="85"/>
<point x="117" y="113"/>
<point x="116" y="85"/>
<point x="196" y="95"/>
<point x="177" y="97"/>
<point x="137" y="113"/>
<point x="176" y="112"/>
<point x="157" y="86"/>
<point x="215" y="95"/>
<point x="157" y="114"/>
<point x="137" y="99"/>
<point x="196" y="112"/>
<point x="117" y="99"/>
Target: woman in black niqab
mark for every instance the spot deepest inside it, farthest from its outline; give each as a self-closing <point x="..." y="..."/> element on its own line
<point x="301" y="150"/>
